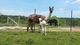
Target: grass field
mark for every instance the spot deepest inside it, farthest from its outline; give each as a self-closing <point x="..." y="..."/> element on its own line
<point x="28" y="38"/>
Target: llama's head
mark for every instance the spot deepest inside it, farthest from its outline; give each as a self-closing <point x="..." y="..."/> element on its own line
<point x="51" y="9"/>
<point x="40" y="19"/>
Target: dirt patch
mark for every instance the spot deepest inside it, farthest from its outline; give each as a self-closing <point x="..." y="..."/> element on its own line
<point x="10" y="27"/>
<point x="57" y="29"/>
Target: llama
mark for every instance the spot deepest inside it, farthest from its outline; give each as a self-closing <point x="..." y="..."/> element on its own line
<point x="53" y="21"/>
<point x="34" y="18"/>
<point x="42" y="26"/>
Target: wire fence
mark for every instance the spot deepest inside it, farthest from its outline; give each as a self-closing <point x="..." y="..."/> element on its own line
<point x="67" y="18"/>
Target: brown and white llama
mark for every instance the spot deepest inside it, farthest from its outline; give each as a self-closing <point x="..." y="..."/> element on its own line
<point x="34" y="18"/>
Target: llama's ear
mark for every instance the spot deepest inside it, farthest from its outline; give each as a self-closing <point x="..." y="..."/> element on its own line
<point x="49" y="8"/>
<point x="52" y="7"/>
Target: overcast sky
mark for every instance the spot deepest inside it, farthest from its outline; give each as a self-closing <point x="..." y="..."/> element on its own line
<point x="62" y="8"/>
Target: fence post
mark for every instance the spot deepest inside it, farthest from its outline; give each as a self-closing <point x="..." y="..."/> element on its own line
<point x="18" y="20"/>
<point x="11" y="20"/>
<point x="7" y="20"/>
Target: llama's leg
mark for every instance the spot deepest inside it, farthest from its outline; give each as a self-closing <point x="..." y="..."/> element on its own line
<point x="56" y="24"/>
<point x="28" y="26"/>
<point x="42" y="30"/>
<point x="32" y="27"/>
<point x="50" y="24"/>
<point x="45" y="30"/>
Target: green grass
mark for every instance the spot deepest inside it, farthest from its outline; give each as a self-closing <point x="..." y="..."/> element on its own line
<point x="29" y="38"/>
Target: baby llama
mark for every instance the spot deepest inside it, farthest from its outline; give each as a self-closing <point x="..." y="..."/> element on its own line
<point x="42" y="26"/>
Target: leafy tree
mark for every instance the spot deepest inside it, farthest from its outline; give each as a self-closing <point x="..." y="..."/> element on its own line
<point x="54" y="17"/>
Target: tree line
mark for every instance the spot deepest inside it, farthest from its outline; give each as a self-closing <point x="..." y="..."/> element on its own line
<point x="23" y="20"/>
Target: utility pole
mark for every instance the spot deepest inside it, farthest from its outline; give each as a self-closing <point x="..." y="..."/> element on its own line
<point x="71" y="20"/>
<point x="34" y="22"/>
<point x="35" y="11"/>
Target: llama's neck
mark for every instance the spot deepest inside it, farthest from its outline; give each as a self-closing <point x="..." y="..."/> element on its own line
<point x="49" y="16"/>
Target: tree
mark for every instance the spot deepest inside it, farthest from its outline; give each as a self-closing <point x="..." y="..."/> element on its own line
<point x="54" y="17"/>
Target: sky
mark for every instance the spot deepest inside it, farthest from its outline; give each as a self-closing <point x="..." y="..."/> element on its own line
<point x="62" y="8"/>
